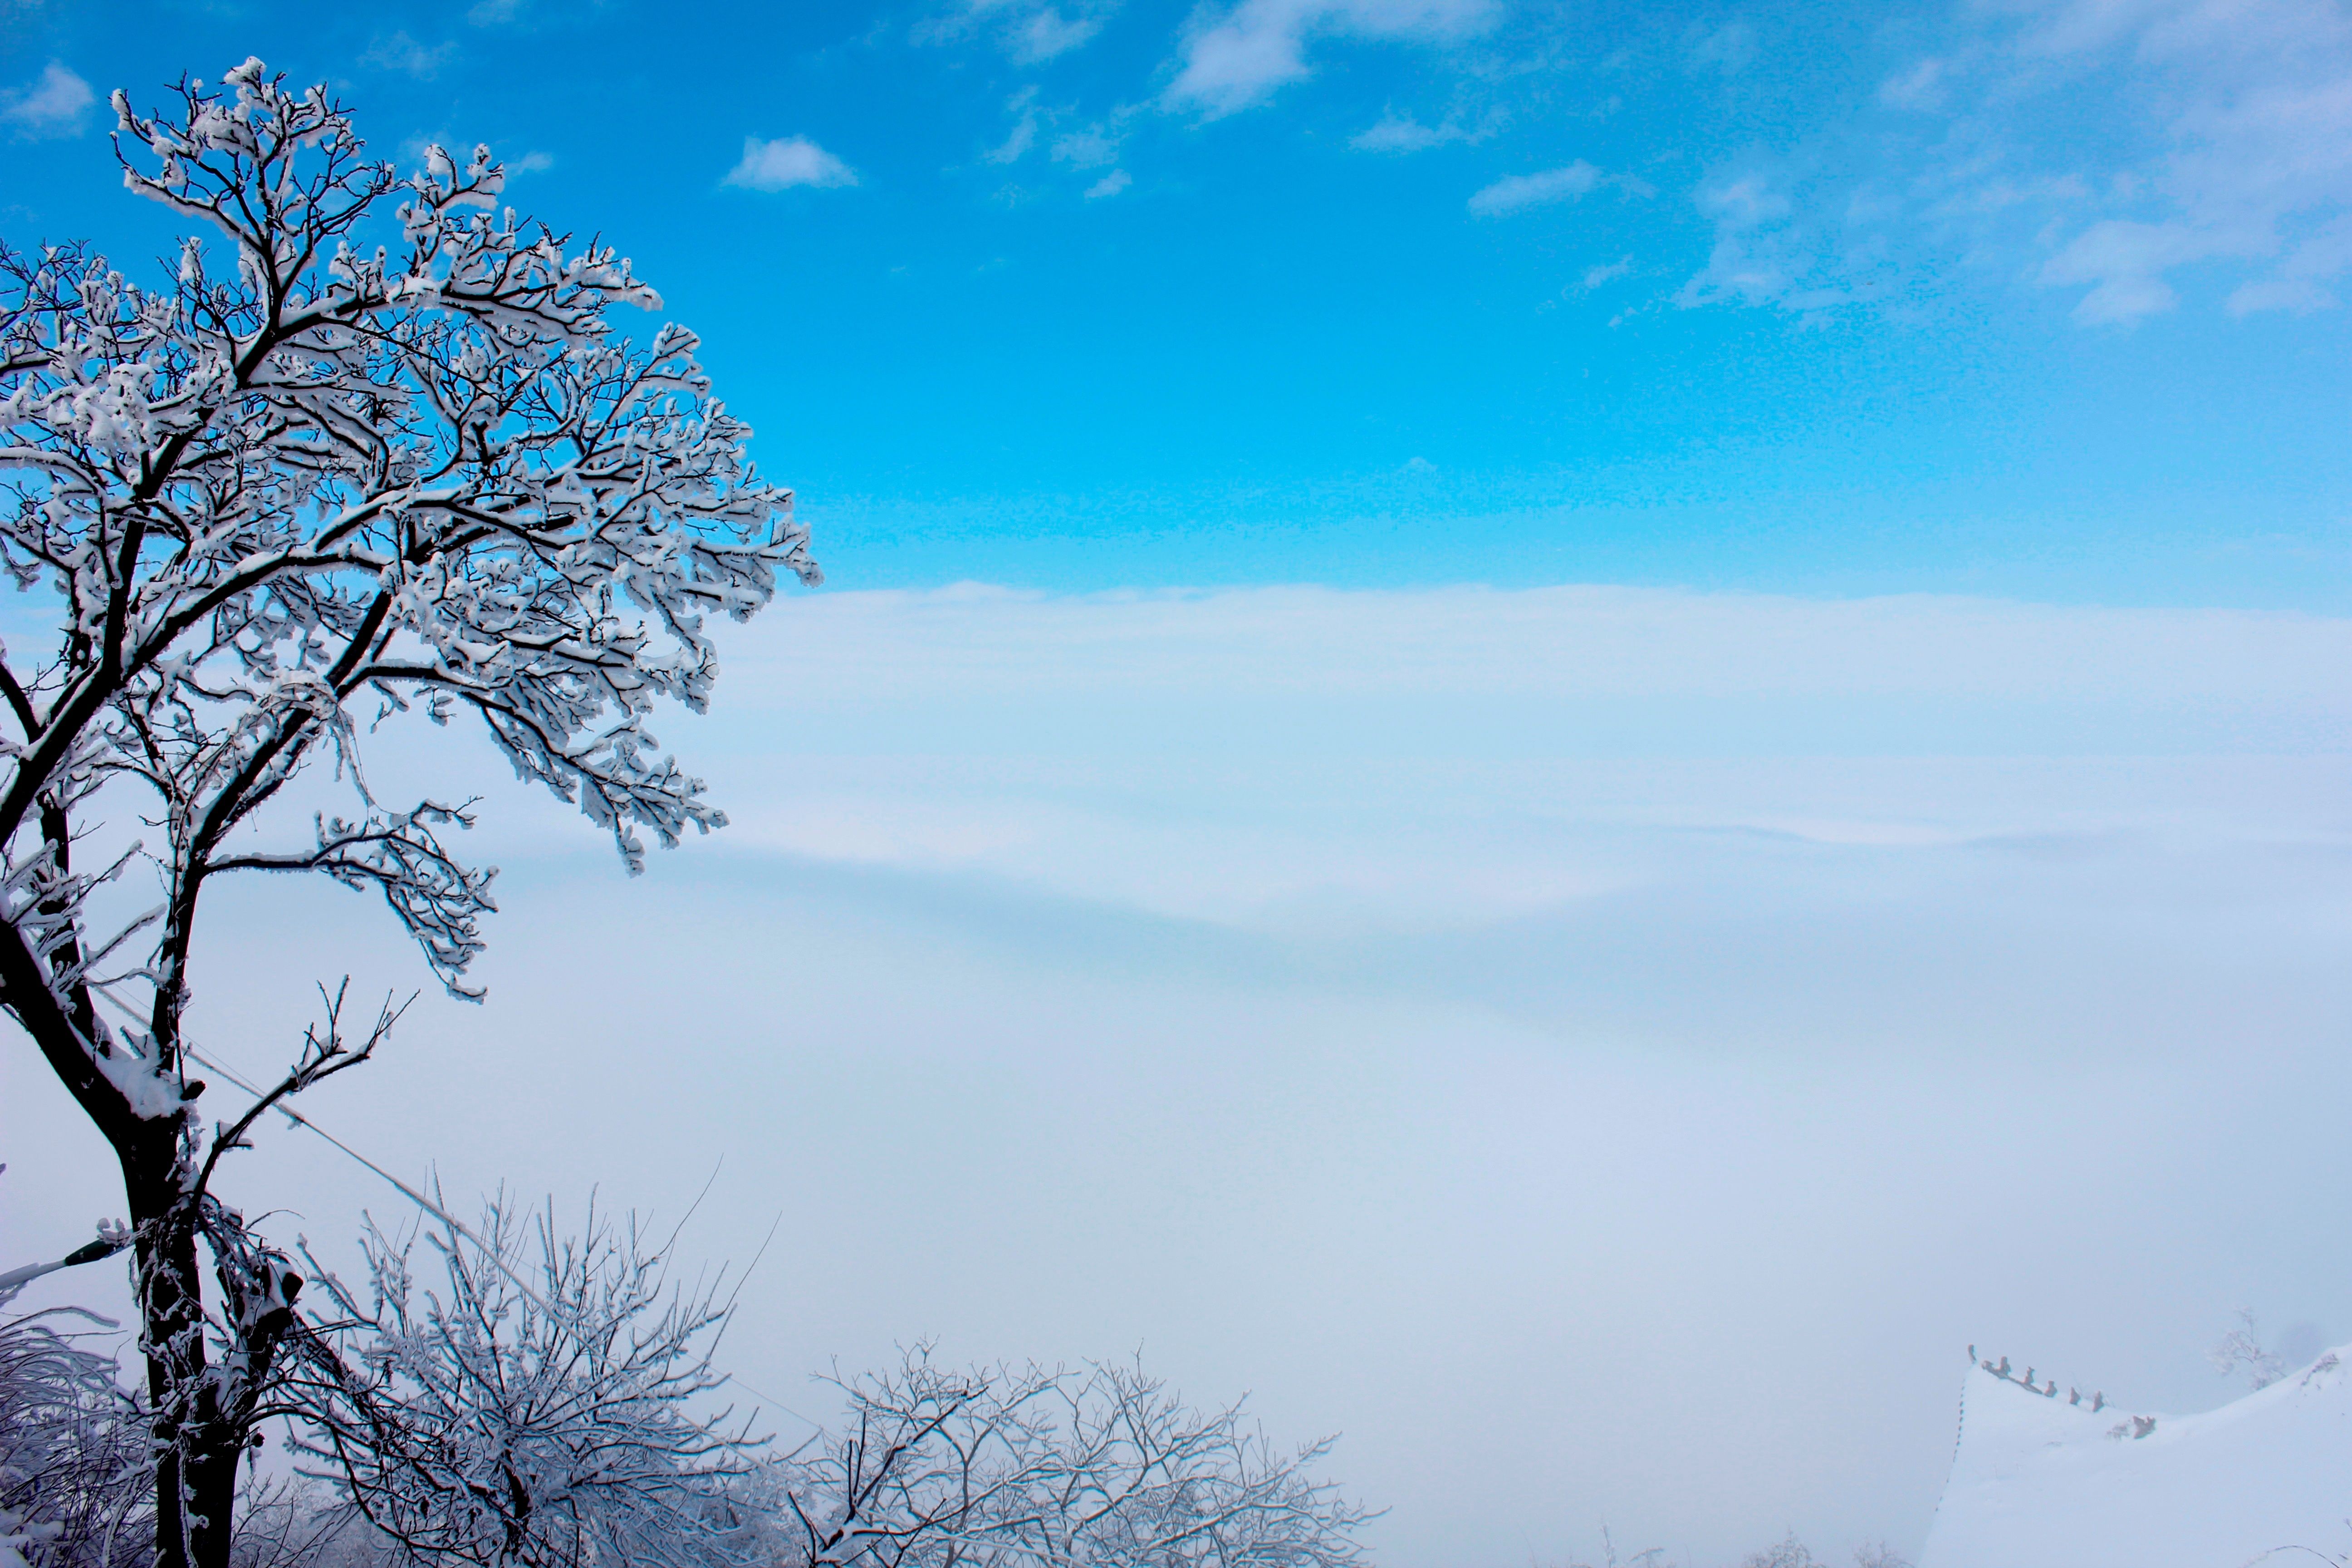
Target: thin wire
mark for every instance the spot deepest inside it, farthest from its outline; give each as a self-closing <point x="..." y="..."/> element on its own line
<point x="438" y="1212"/>
<point x="410" y="1193"/>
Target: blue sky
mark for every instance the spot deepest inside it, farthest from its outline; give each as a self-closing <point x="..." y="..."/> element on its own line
<point x="1567" y="735"/>
<point x="2032" y="301"/>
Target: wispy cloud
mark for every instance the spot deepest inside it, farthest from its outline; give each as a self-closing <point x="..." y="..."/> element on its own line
<point x="1728" y="48"/>
<point x="788" y="161"/>
<point x="1919" y="86"/>
<point x="2124" y="263"/>
<point x="1094" y="147"/>
<point x="1030" y="32"/>
<point x="399" y="52"/>
<point x="1047" y="32"/>
<point x="2107" y="150"/>
<point x="1755" y="260"/>
<point x="1024" y="134"/>
<point x="1235" y="59"/>
<point x="2296" y="284"/>
<point x="2256" y="99"/>
<point x="2236" y="145"/>
<point x="1111" y="184"/>
<point x="53" y="105"/>
<point x="1594" y="277"/>
<point x="1517" y="193"/>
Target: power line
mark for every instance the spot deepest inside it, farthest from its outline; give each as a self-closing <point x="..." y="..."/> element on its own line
<point x="429" y="1207"/>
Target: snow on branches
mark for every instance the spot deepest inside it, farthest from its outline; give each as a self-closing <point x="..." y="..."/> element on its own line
<point x="315" y="467"/>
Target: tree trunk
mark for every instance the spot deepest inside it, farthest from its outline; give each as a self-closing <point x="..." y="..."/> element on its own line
<point x="192" y="1504"/>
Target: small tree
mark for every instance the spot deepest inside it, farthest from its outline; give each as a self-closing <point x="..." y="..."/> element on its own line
<point x="542" y="1408"/>
<point x="382" y="442"/>
<point x="2240" y="1353"/>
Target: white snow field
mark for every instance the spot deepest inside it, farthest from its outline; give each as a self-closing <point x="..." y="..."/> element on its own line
<point x="2042" y="1482"/>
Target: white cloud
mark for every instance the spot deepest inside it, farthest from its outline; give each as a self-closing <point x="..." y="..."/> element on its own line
<point x="1517" y="193"/>
<point x="1237" y="59"/>
<point x="790" y="160"/>
<point x="1024" y="134"/>
<point x="1338" y="943"/>
<point x="532" y="164"/>
<point x="52" y="106"/>
<point x="1016" y="143"/>
<point x="1096" y="146"/>
<point x="399" y="52"/>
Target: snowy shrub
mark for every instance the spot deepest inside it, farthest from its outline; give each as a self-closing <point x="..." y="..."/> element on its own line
<point x="73" y="1451"/>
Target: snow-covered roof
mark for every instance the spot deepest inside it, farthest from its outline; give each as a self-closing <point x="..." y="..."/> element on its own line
<point x="2041" y="1481"/>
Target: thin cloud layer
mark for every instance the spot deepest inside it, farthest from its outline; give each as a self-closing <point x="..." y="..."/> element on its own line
<point x="1536" y="994"/>
<point x="1436" y="681"/>
<point x="2277" y="671"/>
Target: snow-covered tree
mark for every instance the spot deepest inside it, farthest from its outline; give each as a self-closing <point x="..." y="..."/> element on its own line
<point x="1028" y="1467"/>
<point x="377" y="445"/>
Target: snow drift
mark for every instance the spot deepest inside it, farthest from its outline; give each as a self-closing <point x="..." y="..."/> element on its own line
<point x="2041" y="1481"/>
